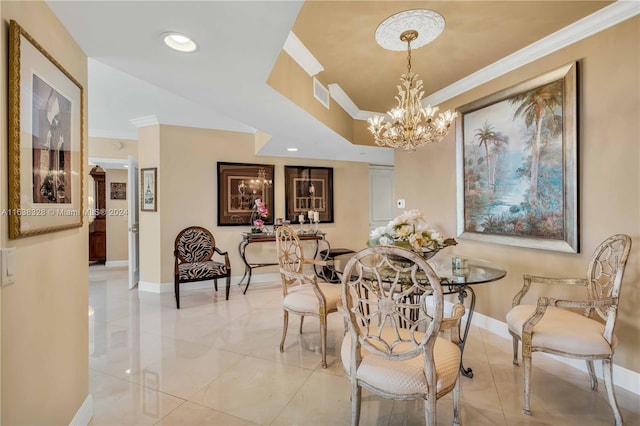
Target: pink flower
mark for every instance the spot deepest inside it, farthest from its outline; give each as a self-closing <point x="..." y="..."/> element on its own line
<point x="258" y="222"/>
<point x="260" y="208"/>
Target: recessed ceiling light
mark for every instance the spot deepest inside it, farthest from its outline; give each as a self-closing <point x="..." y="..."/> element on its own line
<point x="179" y="42"/>
<point x="292" y="149"/>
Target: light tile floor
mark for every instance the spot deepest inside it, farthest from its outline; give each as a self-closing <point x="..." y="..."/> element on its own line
<point x="218" y="362"/>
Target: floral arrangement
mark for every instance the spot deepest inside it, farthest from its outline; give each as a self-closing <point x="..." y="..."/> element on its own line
<point x="409" y="230"/>
<point x="258" y="213"/>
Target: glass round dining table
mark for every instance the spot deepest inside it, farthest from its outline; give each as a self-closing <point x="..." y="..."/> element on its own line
<point x="457" y="276"/>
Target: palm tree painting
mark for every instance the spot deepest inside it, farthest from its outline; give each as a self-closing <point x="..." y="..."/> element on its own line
<point x="514" y="161"/>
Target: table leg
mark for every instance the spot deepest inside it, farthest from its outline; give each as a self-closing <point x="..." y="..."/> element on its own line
<point x="247" y="268"/>
<point x="248" y="281"/>
<point x="467" y="372"/>
<point x="320" y="273"/>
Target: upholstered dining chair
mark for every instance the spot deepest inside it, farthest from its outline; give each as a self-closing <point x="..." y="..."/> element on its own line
<point x="552" y="327"/>
<point x="393" y="304"/>
<point x="194" y="248"/>
<point x="302" y="294"/>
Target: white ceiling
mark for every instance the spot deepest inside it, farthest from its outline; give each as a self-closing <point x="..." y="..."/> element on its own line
<point x="133" y="75"/>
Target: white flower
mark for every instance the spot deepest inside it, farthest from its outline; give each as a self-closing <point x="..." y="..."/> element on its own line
<point x="377" y="233"/>
<point x="417" y="241"/>
<point x="412" y="216"/>
<point x="385" y="240"/>
<point x="410" y="227"/>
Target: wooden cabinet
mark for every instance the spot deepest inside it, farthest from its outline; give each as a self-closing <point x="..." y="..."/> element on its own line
<point x="98" y="227"/>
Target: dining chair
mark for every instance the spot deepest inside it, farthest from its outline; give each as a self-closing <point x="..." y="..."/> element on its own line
<point x="553" y="325"/>
<point x="302" y="294"/>
<point x="392" y="302"/>
<point x="194" y="248"/>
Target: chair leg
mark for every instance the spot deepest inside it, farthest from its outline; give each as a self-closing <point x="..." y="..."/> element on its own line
<point x="456" y="402"/>
<point x="228" y="286"/>
<point x="176" y="286"/>
<point x="284" y="330"/>
<point x="515" y="351"/>
<point x="356" y="396"/>
<point x="215" y="284"/>
<point x="526" y="359"/>
<point x="323" y="339"/>
<point x="592" y="375"/>
<point x="607" y="372"/>
<point x="430" y="414"/>
<point x="301" y="321"/>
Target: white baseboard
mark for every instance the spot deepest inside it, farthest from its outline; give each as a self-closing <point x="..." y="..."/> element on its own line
<point x="84" y="414"/>
<point x="622" y="377"/>
<point x="116" y="263"/>
<point x="152" y="287"/>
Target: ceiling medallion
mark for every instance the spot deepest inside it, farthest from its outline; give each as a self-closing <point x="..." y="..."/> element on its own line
<point x="411" y="125"/>
<point x="427" y="23"/>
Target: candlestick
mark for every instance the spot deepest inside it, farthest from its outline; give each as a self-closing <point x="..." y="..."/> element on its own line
<point x="310" y="214"/>
<point x="316" y="216"/>
<point x="301" y="218"/>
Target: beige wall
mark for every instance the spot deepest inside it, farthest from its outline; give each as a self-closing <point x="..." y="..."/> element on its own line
<point x="187" y="196"/>
<point x="149" y="222"/>
<point x="609" y="196"/>
<point x="44" y="313"/>
<point x="117" y="219"/>
<point x="288" y="78"/>
<point x="112" y="148"/>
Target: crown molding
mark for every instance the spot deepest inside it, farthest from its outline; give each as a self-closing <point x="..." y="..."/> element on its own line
<point x="294" y="48"/>
<point x="150" y="120"/>
<point x="598" y="21"/>
<point x="365" y="115"/>
<point x="343" y="100"/>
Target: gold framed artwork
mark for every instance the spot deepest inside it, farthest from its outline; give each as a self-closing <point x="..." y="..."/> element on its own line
<point x="517" y="164"/>
<point x="46" y="115"/>
<point x="308" y="189"/>
<point x="239" y="186"/>
<point x="148" y="189"/>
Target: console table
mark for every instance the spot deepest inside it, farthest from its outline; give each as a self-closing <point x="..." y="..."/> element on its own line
<point x="270" y="237"/>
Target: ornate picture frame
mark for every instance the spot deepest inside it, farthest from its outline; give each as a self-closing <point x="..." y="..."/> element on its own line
<point x="149" y="189"/>
<point x="308" y="188"/>
<point x="517" y="174"/>
<point x="239" y="185"/>
<point x="46" y="119"/>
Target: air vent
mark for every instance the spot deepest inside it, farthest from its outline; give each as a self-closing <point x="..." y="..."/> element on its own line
<point x="320" y="93"/>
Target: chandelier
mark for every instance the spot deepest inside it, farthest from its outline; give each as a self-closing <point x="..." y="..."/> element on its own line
<point x="411" y="125"/>
<point x="262" y="182"/>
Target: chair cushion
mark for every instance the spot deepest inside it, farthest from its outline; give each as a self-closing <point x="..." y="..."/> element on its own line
<point x="195" y="245"/>
<point x="405" y="377"/>
<point x="562" y="330"/>
<point x="301" y="298"/>
<point x="201" y="270"/>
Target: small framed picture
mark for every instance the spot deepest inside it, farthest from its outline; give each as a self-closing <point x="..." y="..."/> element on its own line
<point x="148" y="189"/>
<point x="118" y="190"/>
